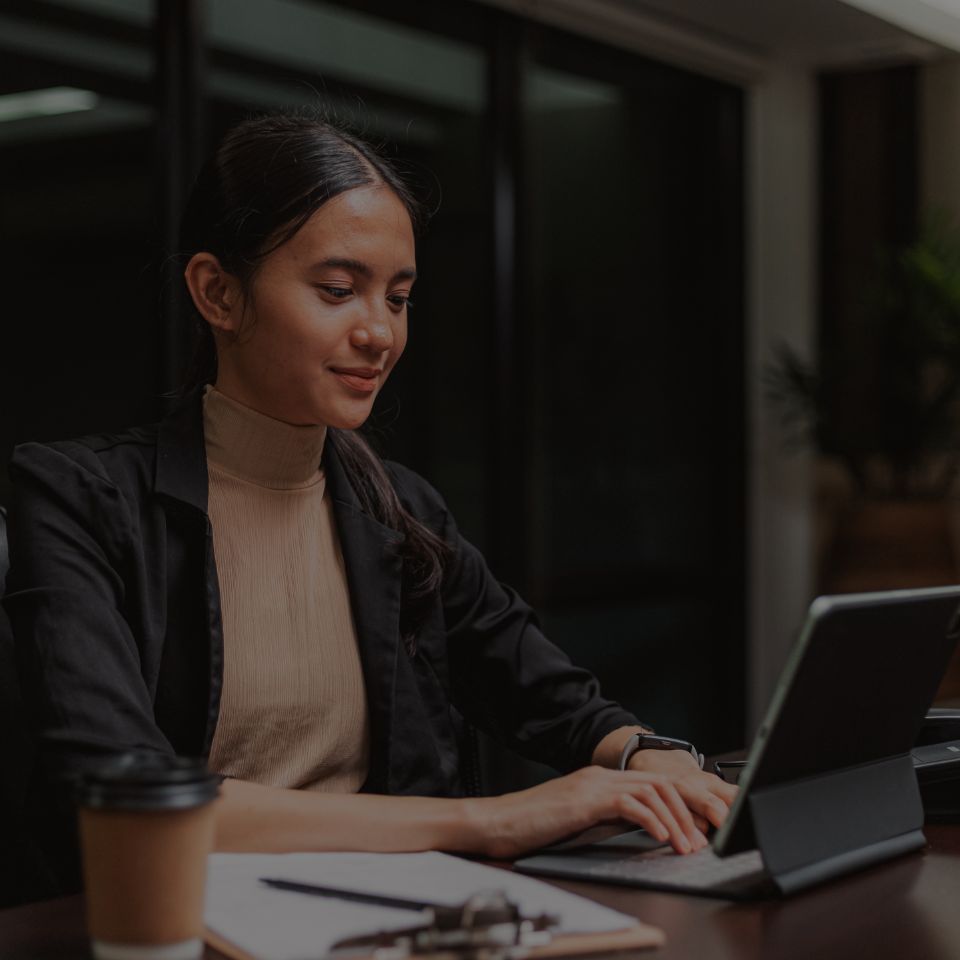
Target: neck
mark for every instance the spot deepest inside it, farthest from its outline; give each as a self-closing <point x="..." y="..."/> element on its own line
<point x="258" y="448"/>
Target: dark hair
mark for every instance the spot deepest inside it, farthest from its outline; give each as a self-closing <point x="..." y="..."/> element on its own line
<point x="269" y="175"/>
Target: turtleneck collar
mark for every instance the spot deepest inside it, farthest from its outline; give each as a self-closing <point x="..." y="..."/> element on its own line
<point x="257" y="448"/>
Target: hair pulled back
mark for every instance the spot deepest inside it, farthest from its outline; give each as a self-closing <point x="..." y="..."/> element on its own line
<point x="269" y="175"/>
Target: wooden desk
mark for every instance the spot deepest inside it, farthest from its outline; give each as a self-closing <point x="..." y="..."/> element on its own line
<point x="908" y="907"/>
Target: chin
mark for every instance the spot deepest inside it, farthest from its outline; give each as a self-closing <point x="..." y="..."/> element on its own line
<point x="346" y="419"/>
<point x="348" y="424"/>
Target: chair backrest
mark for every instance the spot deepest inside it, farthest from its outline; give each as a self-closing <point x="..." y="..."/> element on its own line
<point x="23" y="874"/>
<point x="4" y="552"/>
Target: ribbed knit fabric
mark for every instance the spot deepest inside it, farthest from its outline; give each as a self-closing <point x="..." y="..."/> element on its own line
<point x="294" y="709"/>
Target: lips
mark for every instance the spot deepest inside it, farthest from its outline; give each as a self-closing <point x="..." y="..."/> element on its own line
<point x="360" y="379"/>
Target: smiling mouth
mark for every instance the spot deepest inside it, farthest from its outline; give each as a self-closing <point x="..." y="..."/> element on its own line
<point x="362" y="380"/>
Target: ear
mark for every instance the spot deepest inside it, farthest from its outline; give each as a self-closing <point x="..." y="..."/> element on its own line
<point x="216" y="294"/>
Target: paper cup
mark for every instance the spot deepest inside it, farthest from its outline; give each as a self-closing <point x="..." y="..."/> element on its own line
<point x="146" y="828"/>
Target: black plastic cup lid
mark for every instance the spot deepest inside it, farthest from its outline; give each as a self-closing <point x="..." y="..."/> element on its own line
<point x="147" y="782"/>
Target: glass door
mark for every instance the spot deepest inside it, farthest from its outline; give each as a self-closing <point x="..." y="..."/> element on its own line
<point x="634" y="379"/>
<point x="77" y="220"/>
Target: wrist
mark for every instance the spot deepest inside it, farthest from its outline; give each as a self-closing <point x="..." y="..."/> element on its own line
<point x="609" y="750"/>
<point x="473" y="828"/>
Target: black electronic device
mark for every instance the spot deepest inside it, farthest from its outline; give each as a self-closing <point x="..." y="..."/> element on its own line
<point x="829" y="784"/>
<point x="936" y="758"/>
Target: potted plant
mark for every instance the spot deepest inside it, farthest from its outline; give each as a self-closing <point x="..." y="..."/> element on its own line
<point x="884" y="414"/>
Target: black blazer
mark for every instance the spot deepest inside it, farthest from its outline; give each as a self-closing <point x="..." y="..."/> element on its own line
<point x="113" y="598"/>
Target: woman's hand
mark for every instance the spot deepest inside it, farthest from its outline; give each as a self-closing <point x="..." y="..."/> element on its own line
<point x="518" y="822"/>
<point x="705" y="794"/>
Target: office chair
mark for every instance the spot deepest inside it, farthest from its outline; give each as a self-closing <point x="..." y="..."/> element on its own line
<point x="22" y="874"/>
<point x="488" y="769"/>
<point x="4" y="552"/>
<point x="498" y="769"/>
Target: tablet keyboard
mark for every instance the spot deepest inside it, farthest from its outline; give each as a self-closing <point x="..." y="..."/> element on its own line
<point x="739" y="876"/>
<point x="701" y="869"/>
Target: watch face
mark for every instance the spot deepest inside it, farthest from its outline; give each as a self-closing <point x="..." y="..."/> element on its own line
<point x="666" y="743"/>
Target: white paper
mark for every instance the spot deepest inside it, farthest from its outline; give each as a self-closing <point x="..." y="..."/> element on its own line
<point x="275" y="924"/>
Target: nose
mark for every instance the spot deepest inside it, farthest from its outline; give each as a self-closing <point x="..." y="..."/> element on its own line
<point x="373" y="332"/>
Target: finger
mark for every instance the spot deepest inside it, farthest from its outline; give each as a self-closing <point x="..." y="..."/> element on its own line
<point x="702" y="824"/>
<point x="725" y="791"/>
<point x="636" y="812"/>
<point x="701" y="801"/>
<point x="652" y="795"/>
<point x="689" y="797"/>
<point x="716" y="811"/>
<point x="681" y="812"/>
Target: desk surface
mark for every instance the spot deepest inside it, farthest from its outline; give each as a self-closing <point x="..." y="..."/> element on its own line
<point x="904" y="908"/>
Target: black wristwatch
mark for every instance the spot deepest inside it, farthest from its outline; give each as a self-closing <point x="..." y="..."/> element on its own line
<point x="653" y="741"/>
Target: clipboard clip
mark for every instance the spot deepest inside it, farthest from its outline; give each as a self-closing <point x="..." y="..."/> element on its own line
<point x="487" y="926"/>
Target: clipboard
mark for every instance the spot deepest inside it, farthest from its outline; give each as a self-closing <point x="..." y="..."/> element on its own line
<point x="641" y="937"/>
<point x="413" y="906"/>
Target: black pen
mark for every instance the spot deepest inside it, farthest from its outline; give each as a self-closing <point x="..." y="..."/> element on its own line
<point x="375" y="899"/>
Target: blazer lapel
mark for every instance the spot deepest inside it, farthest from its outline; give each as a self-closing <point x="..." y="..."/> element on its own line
<point x="191" y="673"/>
<point x="374" y="570"/>
<point x="181" y="469"/>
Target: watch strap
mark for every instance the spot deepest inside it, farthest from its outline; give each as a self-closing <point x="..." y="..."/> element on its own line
<point x="654" y="741"/>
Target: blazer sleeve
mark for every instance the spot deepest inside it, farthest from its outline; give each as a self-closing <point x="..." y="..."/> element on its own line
<point x="504" y="675"/>
<point x="72" y="563"/>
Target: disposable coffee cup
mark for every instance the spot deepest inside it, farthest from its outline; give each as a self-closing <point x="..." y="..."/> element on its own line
<point x="146" y="828"/>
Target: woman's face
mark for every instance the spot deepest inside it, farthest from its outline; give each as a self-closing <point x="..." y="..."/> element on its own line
<point x="327" y="316"/>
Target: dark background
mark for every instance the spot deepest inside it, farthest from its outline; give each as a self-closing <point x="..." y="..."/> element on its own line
<point x="574" y="382"/>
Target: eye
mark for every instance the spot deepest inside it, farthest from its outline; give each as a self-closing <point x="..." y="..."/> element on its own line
<point x="337" y="293"/>
<point x="399" y="301"/>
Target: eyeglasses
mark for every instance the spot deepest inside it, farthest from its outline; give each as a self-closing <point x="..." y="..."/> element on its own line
<point x="729" y="771"/>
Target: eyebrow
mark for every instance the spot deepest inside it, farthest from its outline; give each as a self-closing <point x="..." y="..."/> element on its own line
<point x="358" y="266"/>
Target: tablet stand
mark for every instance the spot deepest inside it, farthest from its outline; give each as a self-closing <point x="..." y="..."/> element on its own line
<point x="812" y="829"/>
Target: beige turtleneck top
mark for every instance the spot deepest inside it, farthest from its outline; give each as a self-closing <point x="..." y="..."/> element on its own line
<point x="293" y="711"/>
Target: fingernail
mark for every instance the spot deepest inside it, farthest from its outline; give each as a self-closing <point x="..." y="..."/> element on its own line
<point x="702" y="838"/>
<point x="685" y="845"/>
<point x="663" y="833"/>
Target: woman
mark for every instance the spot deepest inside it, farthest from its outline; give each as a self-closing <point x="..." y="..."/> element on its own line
<point x="246" y="581"/>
